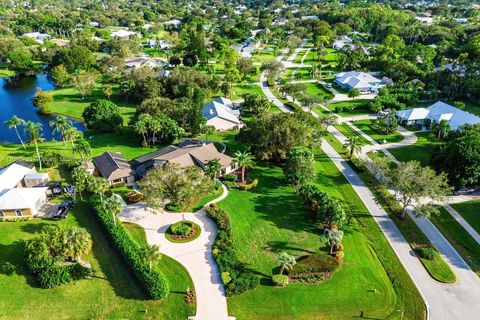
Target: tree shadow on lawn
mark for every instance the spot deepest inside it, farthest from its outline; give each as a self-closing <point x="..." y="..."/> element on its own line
<point x="34" y="228"/>
<point x="12" y="262"/>
<point x="111" y="264"/>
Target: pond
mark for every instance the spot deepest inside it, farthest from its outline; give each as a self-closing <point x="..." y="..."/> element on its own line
<point x="17" y="100"/>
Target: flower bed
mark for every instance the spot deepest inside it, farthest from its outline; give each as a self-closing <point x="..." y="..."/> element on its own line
<point x="183" y="231"/>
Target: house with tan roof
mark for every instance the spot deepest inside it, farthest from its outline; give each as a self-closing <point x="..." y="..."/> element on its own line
<point x="190" y="153"/>
<point x="114" y="168"/>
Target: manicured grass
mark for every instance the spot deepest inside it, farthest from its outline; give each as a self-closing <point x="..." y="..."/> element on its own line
<point x="111" y="293"/>
<point x="470" y="211"/>
<point x="359" y="107"/>
<point x="4" y="73"/>
<point x="124" y="141"/>
<point x="421" y="151"/>
<point x="196" y="229"/>
<point x="272" y="218"/>
<point x="456" y="235"/>
<point x="239" y="89"/>
<point x="298" y="58"/>
<point x="367" y="127"/>
<point x="317" y="89"/>
<point x="264" y="55"/>
<point x="204" y="200"/>
<point x="67" y="101"/>
<point x="348" y="131"/>
<point x="412" y="233"/>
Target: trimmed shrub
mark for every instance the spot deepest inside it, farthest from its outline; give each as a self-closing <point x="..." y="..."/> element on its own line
<point x="54" y="275"/>
<point x="427" y="253"/>
<point x="175" y="208"/>
<point x="77" y="271"/>
<point x="181" y="228"/>
<point x="15" y="219"/>
<point x="316" y="263"/>
<point x="339" y="255"/>
<point x="248" y="186"/>
<point x="154" y="281"/>
<point x="239" y="278"/>
<point x="230" y="177"/>
<point x="134" y="197"/>
<point x="280" y="280"/>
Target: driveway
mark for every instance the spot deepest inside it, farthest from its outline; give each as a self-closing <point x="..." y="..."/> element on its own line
<point x="196" y="256"/>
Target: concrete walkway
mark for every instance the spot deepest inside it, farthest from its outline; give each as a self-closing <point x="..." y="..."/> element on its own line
<point x="196" y="256"/>
<point x="457" y="216"/>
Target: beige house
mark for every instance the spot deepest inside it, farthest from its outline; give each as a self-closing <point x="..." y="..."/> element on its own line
<point x="114" y="167"/>
<point x="189" y="153"/>
<point x="20" y="193"/>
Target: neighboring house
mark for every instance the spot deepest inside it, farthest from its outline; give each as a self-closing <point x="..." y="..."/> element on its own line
<point x="37" y="36"/>
<point x="32" y="180"/>
<point x="309" y="18"/>
<point x="124" y="34"/>
<point x="114" y="167"/>
<point x="342" y="42"/>
<point x="362" y="81"/>
<point x="16" y="198"/>
<point x="425" y="20"/>
<point x="160" y="43"/>
<point x="461" y="20"/>
<point x="174" y="22"/>
<point x="435" y="113"/>
<point x="137" y="62"/>
<point x="61" y="42"/>
<point x="94" y="24"/>
<point x="220" y="114"/>
<point x="187" y="154"/>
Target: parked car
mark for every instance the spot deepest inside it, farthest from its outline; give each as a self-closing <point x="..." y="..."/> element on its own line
<point x="63" y="209"/>
<point x="464" y="191"/>
<point x="55" y="188"/>
<point x="328" y="85"/>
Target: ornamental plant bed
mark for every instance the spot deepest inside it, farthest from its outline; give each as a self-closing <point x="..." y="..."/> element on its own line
<point x="314" y="268"/>
<point x="183" y="231"/>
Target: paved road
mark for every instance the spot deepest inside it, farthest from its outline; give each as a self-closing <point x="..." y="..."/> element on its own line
<point x="452" y="301"/>
<point x="195" y="256"/>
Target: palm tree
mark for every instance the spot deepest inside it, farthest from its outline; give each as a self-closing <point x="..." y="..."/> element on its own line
<point x="352" y="145"/>
<point x="77" y="242"/>
<point x="71" y="134"/>
<point x="98" y="185"/>
<point x="244" y="160"/>
<point x="330" y="120"/>
<point x="152" y="254"/>
<point x="34" y="133"/>
<point x="212" y="167"/>
<point x="442" y="128"/>
<point x="82" y="148"/>
<point x="61" y="124"/>
<point x="80" y="177"/>
<point x="113" y="205"/>
<point x="208" y="130"/>
<point x="14" y="122"/>
<point x="286" y="261"/>
<point x="334" y="237"/>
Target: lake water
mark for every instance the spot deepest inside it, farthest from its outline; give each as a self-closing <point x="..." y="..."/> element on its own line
<point x="17" y="100"/>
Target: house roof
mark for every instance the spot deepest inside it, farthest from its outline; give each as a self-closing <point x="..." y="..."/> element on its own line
<point x="21" y="198"/>
<point x="123" y="33"/>
<point x="215" y="109"/>
<point x="36" y="176"/>
<point x="225" y="101"/>
<point x="456" y="117"/>
<point x="113" y="166"/>
<point x="356" y="79"/>
<point x="186" y="156"/>
<point x="413" y="114"/>
<point x="12" y="174"/>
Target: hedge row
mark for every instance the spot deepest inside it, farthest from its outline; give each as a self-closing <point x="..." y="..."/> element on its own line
<point x="235" y="276"/>
<point x="316" y="263"/>
<point x="154" y="281"/>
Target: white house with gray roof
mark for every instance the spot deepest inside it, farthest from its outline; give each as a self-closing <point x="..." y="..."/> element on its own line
<point x="362" y="81"/>
<point x="220" y="114"/>
<point x="435" y="113"/>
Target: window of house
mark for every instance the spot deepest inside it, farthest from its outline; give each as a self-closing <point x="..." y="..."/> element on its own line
<point x="18" y="213"/>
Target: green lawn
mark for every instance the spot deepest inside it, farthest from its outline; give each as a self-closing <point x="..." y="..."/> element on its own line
<point x="470" y="211"/>
<point x="366" y="126"/>
<point x="263" y="56"/>
<point x="67" y="101"/>
<point x="239" y="89"/>
<point x="359" y="107"/>
<point x="298" y="58"/>
<point x="112" y="292"/>
<point x="273" y="219"/>
<point x="124" y="141"/>
<point x="317" y="89"/>
<point x="204" y="200"/>
<point x="421" y="151"/>
<point x="348" y="131"/>
<point x="463" y="243"/>
<point x="438" y="268"/>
